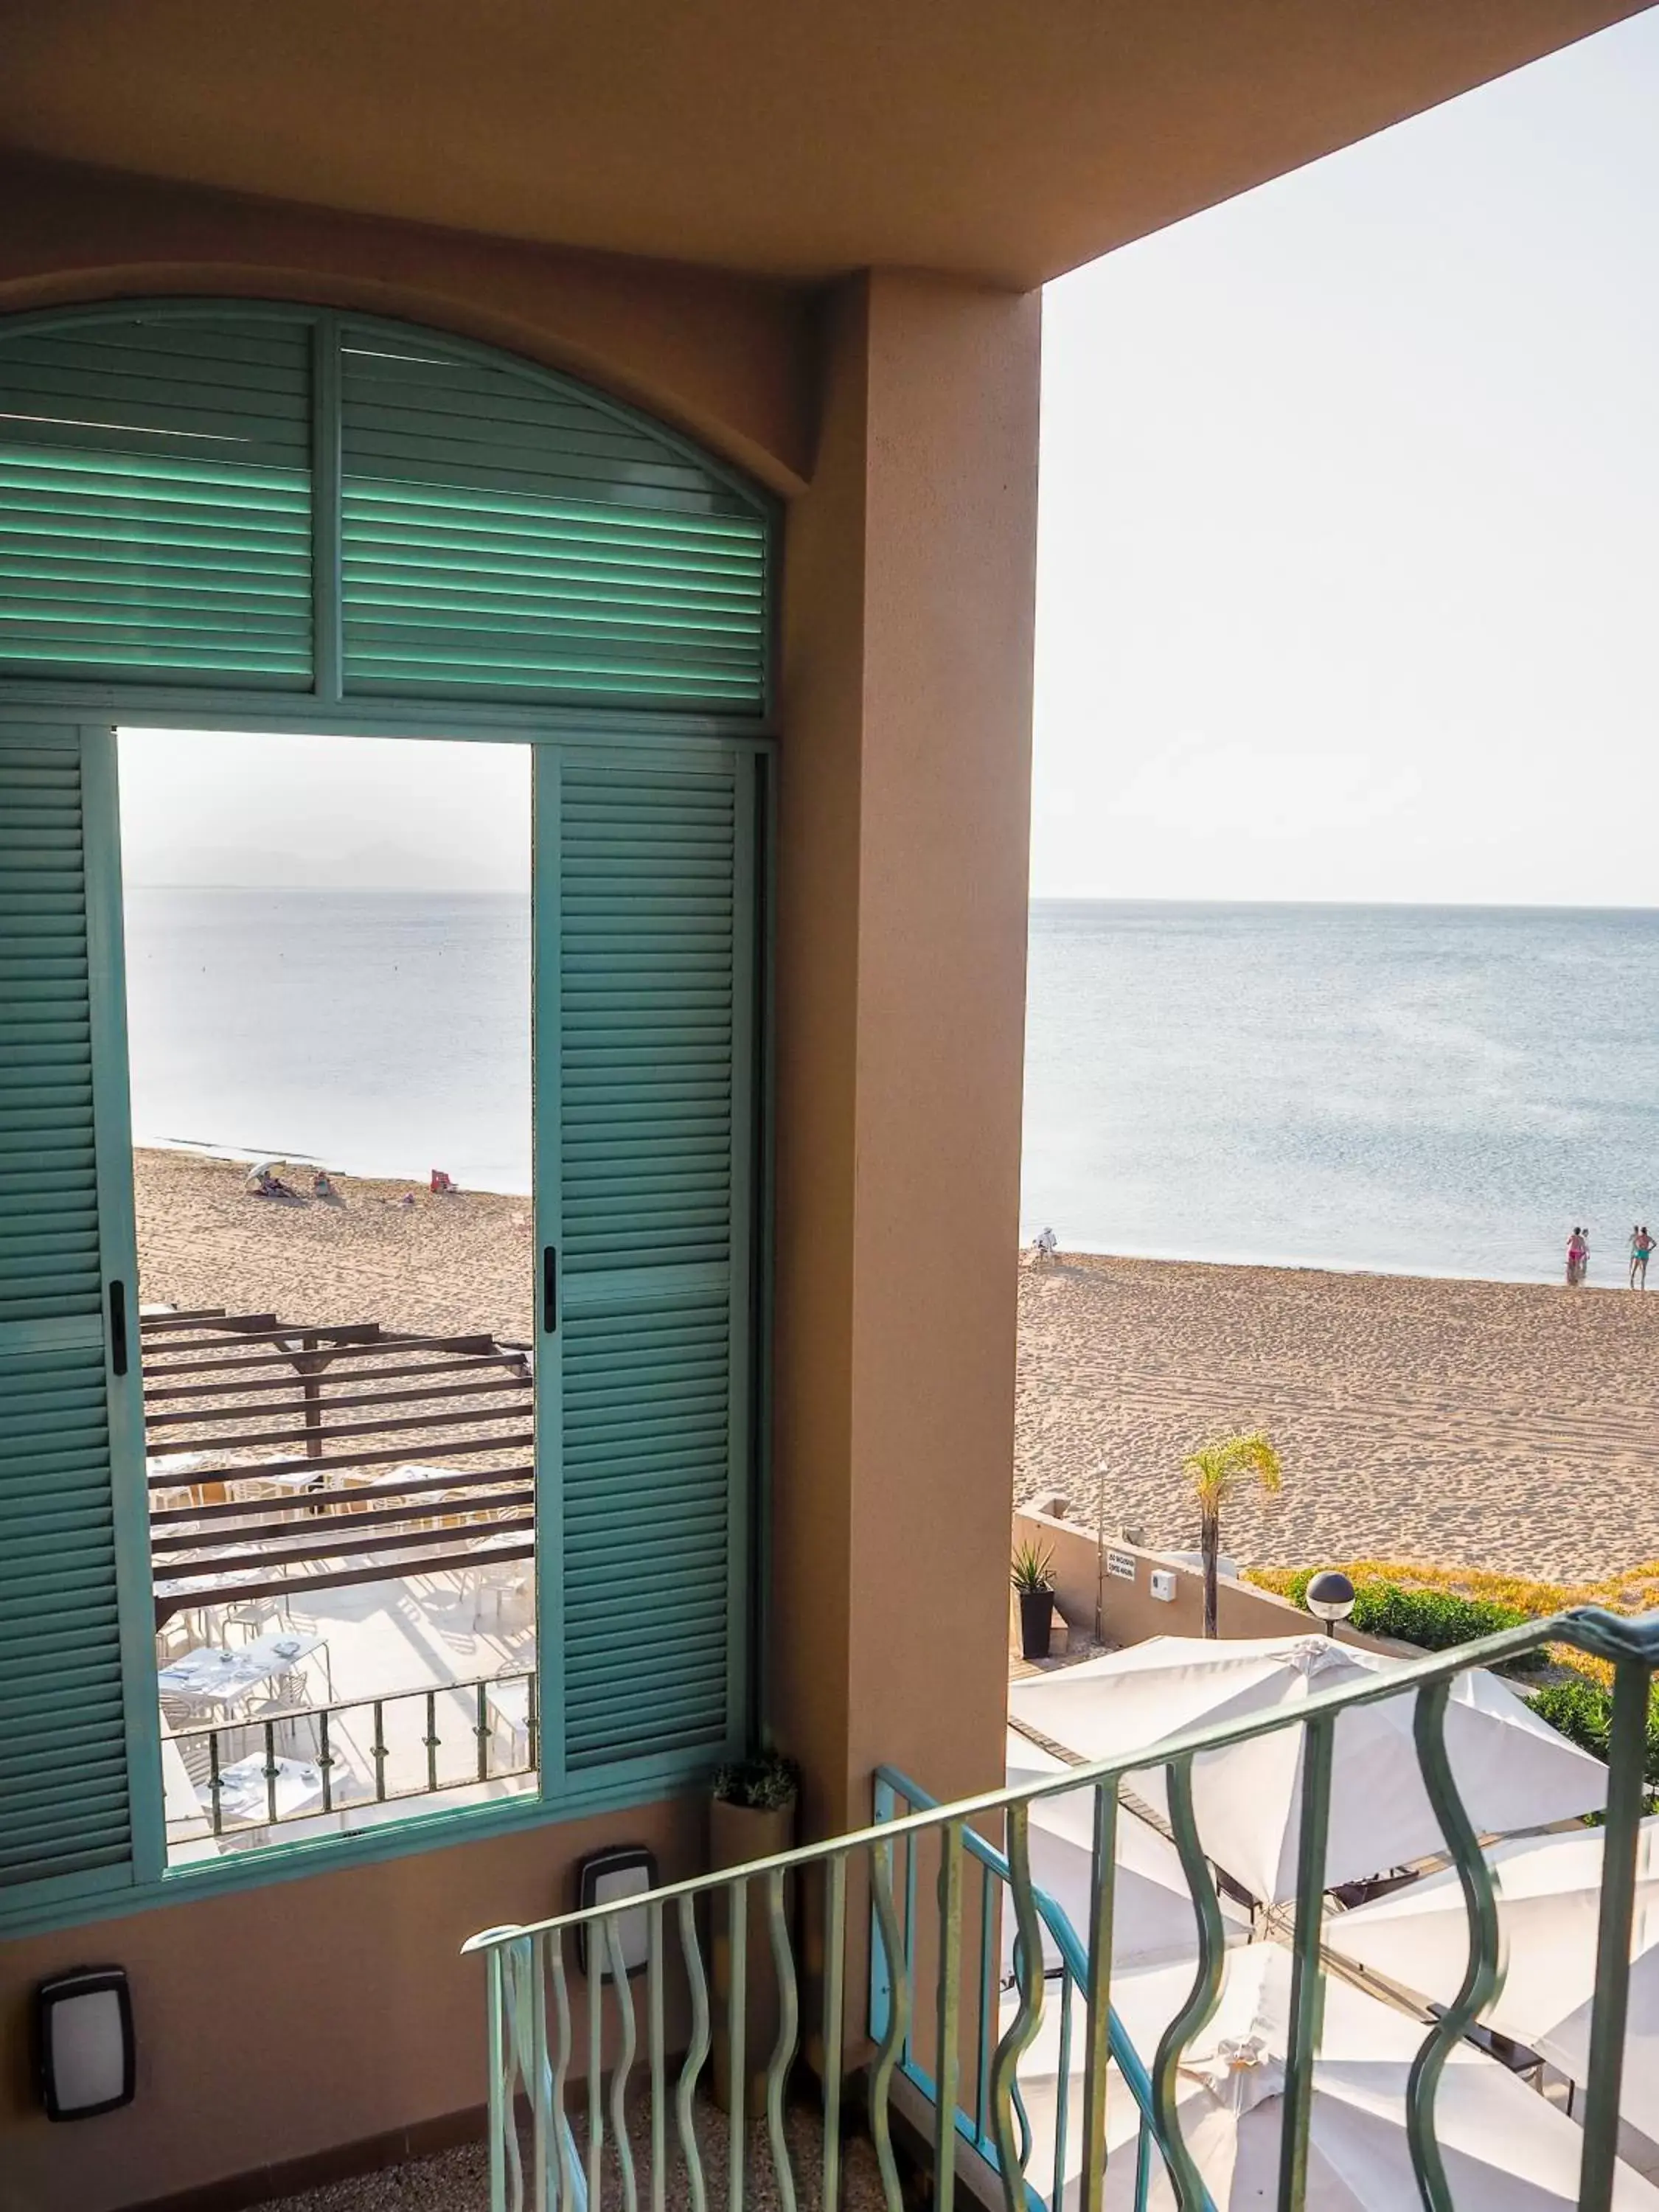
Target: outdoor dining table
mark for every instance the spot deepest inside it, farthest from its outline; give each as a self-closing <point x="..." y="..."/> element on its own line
<point x="211" y="1676"/>
<point x="246" y="1789"/>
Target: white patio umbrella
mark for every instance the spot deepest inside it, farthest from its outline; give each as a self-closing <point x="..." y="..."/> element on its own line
<point x="1513" y="1771"/>
<point x="1505" y="2149"/>
<point x="1548" y="1904"/>
<point x="1153" y="1916"/>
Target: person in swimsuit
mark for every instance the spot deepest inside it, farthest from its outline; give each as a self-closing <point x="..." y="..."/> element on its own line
<point x="1635" y="1253"/>
<point x="1643" y="1253"/>
<point x="1577" y="1258"/>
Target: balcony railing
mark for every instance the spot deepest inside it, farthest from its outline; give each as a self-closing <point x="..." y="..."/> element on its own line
<point x="344" y="1750"/>
<point x="938" y="2073"/>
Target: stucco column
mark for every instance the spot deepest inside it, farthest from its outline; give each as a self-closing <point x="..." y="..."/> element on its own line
<point x="904" y="798"/>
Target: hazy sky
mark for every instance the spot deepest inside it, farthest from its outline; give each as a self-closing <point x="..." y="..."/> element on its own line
<point x="1350" y="549"/>
<point x="209" y="808"/>
<point x="1349" y="583"/>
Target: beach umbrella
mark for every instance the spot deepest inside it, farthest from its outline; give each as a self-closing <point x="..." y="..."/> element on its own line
<point x="1506" y="2149"/>
<point x="1153" y="1916"/>
<point x="1548" y="1904"/>
<point x="1512" y="1769"/>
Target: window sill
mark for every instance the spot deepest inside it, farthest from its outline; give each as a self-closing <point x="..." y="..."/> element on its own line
<point x="678" y="1775"/>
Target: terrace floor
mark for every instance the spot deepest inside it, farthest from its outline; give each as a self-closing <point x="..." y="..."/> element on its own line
<point x="459" y="2180"/>
<point x="393" y="1642"/>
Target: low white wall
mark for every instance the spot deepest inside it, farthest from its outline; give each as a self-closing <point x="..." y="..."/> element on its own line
<point x="1129" y="1614"/>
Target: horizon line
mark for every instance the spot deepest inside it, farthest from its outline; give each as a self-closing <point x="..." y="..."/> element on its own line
<point x="1357" y="905"/>
<point x="1034" y="898"/>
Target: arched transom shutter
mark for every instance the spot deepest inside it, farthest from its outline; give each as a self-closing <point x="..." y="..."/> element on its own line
<point x="504" y="536"/>
<point x="278" y="498"/>
<point x="155" y="514"/>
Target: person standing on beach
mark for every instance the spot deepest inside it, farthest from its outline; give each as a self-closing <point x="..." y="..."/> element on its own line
<point x="1577" y="1258"/>
<point x="1641" y="1251"/>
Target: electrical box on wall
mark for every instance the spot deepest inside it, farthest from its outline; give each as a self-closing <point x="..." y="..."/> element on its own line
<point x="1164" y="1584"/>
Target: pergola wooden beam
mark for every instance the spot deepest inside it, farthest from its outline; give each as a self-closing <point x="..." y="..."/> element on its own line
<point x="375" y="1373"/>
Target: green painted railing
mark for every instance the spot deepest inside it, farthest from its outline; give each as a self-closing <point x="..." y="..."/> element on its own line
<point x="960" y="2102"/>
<point x="1000" y="2132"/>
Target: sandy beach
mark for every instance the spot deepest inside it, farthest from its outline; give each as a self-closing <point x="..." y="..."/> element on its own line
<point x="1505" y="1427"/>
<point x="1513" y="1427"/>
<point x="447" y="1265"/>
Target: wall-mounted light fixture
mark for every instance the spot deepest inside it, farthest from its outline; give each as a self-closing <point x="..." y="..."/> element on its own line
<point x="83" y="2042"/>
<point x="605" y="1878"/>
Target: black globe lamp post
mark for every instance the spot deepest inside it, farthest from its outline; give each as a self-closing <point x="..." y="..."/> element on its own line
<point x="1330" y="1596"/>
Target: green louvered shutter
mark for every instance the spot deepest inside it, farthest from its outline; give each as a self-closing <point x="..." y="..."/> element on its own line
<point x="656" y="977"/>
<point x="155" y="500"/>
<point x="506" y="535"/>
<point x="65" y="1816"/>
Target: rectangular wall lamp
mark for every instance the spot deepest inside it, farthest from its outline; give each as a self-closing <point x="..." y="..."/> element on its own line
<point x="627" y="1871"/>
<point x="83" y="2042"/>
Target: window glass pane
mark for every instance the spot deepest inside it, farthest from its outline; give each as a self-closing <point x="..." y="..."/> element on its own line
<point x="328" y="958"/>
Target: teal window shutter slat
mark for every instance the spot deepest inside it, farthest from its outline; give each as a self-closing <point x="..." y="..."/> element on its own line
<point x="512" y="536"/>
<point x="155" y="500"/>
<point x="273" y="498"/>
<point x="655" y="961"/>
<point x="66" y="1816"/>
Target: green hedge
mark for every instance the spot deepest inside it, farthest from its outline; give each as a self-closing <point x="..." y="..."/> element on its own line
<point x="1433" y="1620"/>
<point x="1583" y="1710"/>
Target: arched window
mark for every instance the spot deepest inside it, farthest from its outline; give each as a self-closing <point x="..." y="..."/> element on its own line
<point x="263" y="498"/>
<point x="270" y="517"/>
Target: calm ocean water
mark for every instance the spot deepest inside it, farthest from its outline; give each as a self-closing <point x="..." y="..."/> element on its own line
<point x="1417" y="1090"/>
<point x="1438" y="1090"/>
<point x="382" y="1032"/>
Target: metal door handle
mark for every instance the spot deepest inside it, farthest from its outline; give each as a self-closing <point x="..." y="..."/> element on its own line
<point x="550" y="1288"/>
<point x="117" y="1328"/>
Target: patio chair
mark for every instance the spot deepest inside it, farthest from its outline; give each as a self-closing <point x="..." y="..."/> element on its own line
<point x="253" y="1616"/>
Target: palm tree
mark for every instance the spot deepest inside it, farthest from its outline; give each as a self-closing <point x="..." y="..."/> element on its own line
<point x="1215" y="1471"/>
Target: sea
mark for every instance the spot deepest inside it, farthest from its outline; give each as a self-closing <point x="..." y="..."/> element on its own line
<point x="1441" y="1091"/>
<point x="1410" y="1089"/>
<point x="379" y="1033"/>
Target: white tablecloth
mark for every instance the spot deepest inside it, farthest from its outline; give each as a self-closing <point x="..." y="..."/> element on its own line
<point x="244" y="1790"/>
<point x="209" y="1675"/>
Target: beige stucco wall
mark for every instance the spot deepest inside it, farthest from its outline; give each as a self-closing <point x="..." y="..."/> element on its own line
<point x="728" y="359"/>
<point x="1129" y="1612"/>
<point x="900" y="994"/>
<point x="286" y="2021"/>
<point x="1003" y="143"/>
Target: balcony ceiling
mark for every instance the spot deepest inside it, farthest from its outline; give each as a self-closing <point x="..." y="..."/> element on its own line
<point x="1007" y="140"/>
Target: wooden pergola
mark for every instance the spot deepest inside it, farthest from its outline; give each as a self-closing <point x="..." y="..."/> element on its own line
<point x="308" y="1457"/>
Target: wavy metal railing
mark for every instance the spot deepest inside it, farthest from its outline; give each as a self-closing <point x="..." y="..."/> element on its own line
<point x="930" y="2048"/>
<point x="995" y="2126"/>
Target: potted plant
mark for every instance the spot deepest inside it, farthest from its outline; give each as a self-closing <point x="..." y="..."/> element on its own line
<point x="752" y="1817"/>
<point x="753" y="1814"/>
<point x="1032" y="1574"/>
